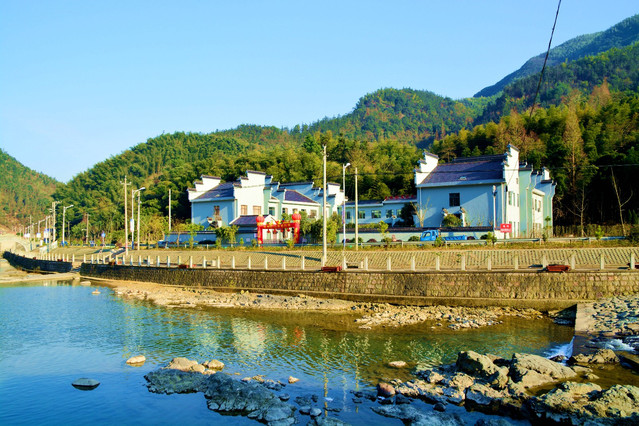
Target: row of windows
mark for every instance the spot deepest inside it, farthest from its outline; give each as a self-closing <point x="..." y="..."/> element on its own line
<point x="375" y="214"/>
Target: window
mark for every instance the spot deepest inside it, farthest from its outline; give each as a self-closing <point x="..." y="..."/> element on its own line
<point x="453" y="199"/>
<point x="348" y="215"/>
<point x="313" y="214"/>
<point x="257" y="210"/>
<point x="510" y="198"/>
<point x="361" y="214"/>
<point x="376" y="214"/>
<point x="284" y="210"/>
<point x="243" y="210"/>
<point x="271" y="211"/>
<point x="216" y="212"/>
<point x="389" y="213"/>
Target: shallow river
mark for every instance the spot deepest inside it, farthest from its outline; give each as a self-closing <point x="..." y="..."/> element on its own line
<point x="52" y="333"/>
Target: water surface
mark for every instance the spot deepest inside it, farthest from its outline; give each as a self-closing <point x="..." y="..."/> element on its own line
<point x="52" y="333"/>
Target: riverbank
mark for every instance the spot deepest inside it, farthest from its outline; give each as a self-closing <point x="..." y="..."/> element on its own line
<point x="368" y="315"/>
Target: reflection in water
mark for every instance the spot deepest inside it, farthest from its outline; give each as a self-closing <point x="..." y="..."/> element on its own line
<point x="59" y="329"/>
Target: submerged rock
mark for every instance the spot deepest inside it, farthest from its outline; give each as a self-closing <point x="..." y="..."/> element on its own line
<point x="412" y="416"/>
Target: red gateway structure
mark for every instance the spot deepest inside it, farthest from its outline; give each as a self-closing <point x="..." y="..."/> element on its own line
<point x="293" y="225"/>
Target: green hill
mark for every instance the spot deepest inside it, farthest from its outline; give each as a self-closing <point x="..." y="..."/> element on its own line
<point x="23" y="192"/>
<point x="622" y="34"/>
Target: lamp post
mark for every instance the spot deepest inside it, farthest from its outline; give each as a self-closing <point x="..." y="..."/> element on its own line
<point x="344" y="166"/>
<point x="133" y="192"/>
<point x="64" y="215"/>
<point x="324" y="212"/>
<point x="53" y="204"/>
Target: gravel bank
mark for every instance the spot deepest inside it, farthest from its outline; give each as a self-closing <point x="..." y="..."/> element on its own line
<point x="371" y="315"/>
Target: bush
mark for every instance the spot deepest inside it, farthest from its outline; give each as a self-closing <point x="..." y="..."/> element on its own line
<point x="372" y="240"/>
<point x="451" y="220"/>
<point x="414" y="238"/>
<point x="439" y="241"/>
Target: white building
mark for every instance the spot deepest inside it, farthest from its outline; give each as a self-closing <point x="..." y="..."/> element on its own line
<point x="215" y="203"/>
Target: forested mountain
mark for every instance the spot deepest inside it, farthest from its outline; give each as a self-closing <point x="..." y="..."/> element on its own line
<point x="23" y="192"/>
<point x="622" y="34"/>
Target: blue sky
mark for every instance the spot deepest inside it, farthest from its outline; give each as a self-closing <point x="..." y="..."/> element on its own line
<point x="81" y="81"/>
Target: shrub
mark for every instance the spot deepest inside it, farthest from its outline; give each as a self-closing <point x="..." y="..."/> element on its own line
<point x="633" y="236"/>
<point x="414" y="238"/>
<point x="451" y="220"/>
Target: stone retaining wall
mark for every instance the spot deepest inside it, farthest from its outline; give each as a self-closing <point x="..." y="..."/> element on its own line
<point x="541" y="290"/>
<point x="31" y="264"/>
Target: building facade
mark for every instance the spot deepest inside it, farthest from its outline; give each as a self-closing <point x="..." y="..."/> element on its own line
<point x="215" y="203"/>
<point x="485" y="191"/>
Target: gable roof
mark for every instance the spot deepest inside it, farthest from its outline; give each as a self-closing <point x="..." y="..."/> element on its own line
<point x="223" y="190"/>
<point x="296" y="197"/>
<point x="471" y="169"/>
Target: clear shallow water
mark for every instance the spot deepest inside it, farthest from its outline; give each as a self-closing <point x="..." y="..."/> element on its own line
<point x="53" y="333"/>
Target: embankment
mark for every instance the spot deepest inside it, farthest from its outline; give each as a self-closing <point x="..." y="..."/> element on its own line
<point x="38" y="265"/>
<point x="520" y="289"/>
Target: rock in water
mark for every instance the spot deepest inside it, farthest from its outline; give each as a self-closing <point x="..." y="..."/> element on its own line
<point x="385" y="389"/>
<point x="214" y="364"/>
<point x="136" y="360"/>
<point x="85" y="384"/>
<point x="397" y="364"/>
<point x="292" y="379"/>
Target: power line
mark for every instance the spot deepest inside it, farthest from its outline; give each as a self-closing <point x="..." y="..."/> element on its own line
<point x="543" y="68"/>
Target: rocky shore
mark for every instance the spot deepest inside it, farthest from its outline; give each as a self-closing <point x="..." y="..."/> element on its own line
<point x="526" y="387"/>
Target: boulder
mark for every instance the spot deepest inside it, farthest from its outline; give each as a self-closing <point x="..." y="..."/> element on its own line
<point x="533" y="370"/>
<point x="413" y="416"/>
<point x="579" y="403"/>
<point x="214" y="364"/>
<point x="385" y="389"/>
<point x="474" y="364"/>
<point x="420" y="389"/>
<point x="85" y="384"/>
<point x="483" y="398"/>
<point x="292" y="379"/>
<point x="397" y="364"/>
<point x="136" y="360"/>
<point x="602" y="356"/>
<point x="182" y="364"/>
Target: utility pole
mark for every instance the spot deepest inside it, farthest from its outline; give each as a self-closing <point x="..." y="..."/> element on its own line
<point x="64" y="214"/>
<point x="324" y="213"/>
<point x="344" y="204"/>
<point x="138" y="230"/>
<point x="169" y="210"/>
<point x="126" y="222"/>
<point x="356" y="215"/>
<point x="87" y="228"/>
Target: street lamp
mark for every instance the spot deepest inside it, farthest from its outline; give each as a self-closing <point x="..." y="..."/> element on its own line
<point x="344" y="166"/>
<point x="133" y="192"/>
<point x="64" y="215"/>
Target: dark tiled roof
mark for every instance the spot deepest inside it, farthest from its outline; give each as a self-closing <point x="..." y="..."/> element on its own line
<point x="249" y="220"/>
<point x="468" y="170"/>
<point x="223" y="190"/>
<point x="296" y="197"/>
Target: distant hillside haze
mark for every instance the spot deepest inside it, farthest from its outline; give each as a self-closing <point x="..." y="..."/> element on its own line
<point x="23" y="192"/>
<point x="622" y="34"/>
